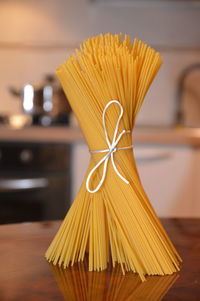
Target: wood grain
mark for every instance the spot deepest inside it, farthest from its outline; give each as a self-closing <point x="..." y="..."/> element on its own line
<point x="25" y="274"/>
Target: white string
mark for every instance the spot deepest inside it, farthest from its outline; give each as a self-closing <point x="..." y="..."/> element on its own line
<point x="110" y="150"/>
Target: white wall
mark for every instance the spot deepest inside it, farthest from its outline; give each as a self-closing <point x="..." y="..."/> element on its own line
<point x="22" y="65"/>
<point x="35" y="37"/>
<point x="161" y="23"/>
<point x="19" y="66"/>
<point x="160" y="104"/>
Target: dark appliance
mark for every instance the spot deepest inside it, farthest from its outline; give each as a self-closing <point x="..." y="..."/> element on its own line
<point x="34" y="181"/>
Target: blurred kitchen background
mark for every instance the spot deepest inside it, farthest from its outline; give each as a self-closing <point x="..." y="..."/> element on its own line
<point x="43" y="156"/>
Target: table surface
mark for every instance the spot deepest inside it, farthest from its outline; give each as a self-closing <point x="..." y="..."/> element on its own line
<point x="25" y="274"/>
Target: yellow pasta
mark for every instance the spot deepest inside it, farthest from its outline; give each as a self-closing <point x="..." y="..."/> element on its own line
<point x="111" y="217"/>
<point x="76" y="284"/>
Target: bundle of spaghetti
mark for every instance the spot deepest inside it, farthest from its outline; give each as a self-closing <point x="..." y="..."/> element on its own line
<point x="76" y="284"/>
<point x="105" y="83"/>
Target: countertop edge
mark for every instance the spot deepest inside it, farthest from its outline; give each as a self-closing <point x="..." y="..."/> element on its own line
<point x="183" y="136"/>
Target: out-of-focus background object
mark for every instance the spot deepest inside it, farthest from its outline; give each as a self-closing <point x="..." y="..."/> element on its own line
<point x="34" y="181"/>
<point x="46" y="103"/>
<point x="17" y="121"/>
<point x="188" y="97"/>
<point x="42" y="153"/>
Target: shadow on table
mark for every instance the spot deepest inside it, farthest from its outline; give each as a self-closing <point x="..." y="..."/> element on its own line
<point x="76" y="284"/>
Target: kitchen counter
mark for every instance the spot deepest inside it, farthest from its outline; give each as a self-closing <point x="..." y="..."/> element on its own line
<point x="179" y="136"/>
<point x="25" y="274"/>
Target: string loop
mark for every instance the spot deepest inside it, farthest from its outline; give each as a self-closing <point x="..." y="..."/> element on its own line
<point x="112" y="148"/>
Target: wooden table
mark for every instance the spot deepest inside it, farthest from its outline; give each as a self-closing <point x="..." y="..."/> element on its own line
<point x="25" y="274"/>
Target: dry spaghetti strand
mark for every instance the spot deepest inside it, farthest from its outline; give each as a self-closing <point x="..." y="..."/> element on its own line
<point x="118" y="219"/>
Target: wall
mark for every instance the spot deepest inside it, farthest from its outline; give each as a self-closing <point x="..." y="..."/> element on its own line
<point x="24" y="65"/>
<point x="35" y="37"/>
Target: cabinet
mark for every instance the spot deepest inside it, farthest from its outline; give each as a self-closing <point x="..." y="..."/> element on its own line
<point x="170" y="175"/>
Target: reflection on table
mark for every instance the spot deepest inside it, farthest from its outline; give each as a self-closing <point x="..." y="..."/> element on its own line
<point x="76" y="284"/>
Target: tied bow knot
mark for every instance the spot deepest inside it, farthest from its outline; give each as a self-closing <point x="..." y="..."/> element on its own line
<point x="112" y="148"/>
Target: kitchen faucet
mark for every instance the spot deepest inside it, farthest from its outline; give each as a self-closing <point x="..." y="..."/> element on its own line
<point x="180" y="118"/>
